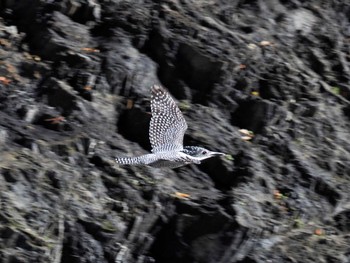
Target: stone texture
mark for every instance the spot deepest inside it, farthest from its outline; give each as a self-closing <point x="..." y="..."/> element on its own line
<point x="74" y="93"/>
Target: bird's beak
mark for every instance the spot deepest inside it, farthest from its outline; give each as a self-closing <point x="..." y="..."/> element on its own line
<point x="217" y="153"/>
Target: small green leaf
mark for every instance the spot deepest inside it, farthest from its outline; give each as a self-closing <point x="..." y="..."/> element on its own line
<point x="184" y="105"/>
<point x="335" y="90"/>
<point x="229" y="157"/>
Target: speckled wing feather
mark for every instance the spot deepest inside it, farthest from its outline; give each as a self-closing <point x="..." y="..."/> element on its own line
<point x="168" y="126"/>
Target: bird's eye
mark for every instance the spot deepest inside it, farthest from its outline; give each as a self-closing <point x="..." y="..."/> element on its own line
<point x="204" y="152"/>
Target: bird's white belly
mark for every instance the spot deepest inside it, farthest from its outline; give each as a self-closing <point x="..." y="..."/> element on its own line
<point x="170" y="159"/>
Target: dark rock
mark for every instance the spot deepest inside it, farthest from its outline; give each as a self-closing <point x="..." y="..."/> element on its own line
<point x="253" y="115"/>
<point x="28" y="112"/>
<point x="61" y="95"/>
<point x="342" y="219"/>
<point x="75" y="80"/>
<point x="135" y="130"/>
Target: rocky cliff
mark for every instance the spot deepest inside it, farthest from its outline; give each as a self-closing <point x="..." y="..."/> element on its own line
<point x="267" y="82"/>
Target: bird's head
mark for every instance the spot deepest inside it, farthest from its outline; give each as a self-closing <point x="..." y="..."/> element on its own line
<point x="200" y="153"/>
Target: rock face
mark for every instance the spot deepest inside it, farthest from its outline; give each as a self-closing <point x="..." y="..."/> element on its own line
<point x="74" y="93"/>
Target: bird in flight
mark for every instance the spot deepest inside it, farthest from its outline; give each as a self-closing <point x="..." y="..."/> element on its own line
<point x="166" y="133"/>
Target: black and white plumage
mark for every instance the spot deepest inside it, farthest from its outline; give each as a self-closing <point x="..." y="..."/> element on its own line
<point x="166" y="133"/>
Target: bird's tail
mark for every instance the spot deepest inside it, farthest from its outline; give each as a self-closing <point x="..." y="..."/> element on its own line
<point x="128" y="160"/>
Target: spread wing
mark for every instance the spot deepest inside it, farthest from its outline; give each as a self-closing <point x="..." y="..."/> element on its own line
<point x="168" y="125"/>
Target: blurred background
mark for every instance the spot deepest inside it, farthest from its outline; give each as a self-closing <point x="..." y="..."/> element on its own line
<point x="266" y="82"/>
